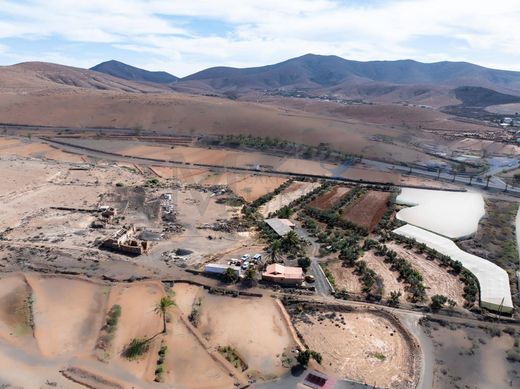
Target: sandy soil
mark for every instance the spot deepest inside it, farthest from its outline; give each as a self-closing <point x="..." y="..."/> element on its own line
<point x="20" y="176"/>
<point x="486" y="146"/>
<point x="368" y="210"/>
<point x="138" y="320"/>
<point x="327" y="200"/>
<point x="192" y="115"/>
<point x="185" y="350"/>
<point x="436" y="279"/>
<point x="390" y="281"/>
<point x="363" y="346"/>
<point x="29" y="148"/>
<point x="237" y="322"/>
<point x="253" y="187"/>
<point x="66" y="314"/>
<point x="293" y="192"/>
<point x="30" y="203"/>
<point x="470" y="358"/>
<point x="188" y="176"/>
<point x="15" y="311"/>
<point x="345" y="277"/>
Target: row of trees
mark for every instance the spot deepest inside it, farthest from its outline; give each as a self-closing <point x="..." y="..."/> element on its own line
<point x="323" y="151"/>
<point x="470" y="282"/>
<point x="407" y="273"/>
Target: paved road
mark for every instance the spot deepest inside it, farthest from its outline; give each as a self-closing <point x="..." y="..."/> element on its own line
<point x="321" y="283"/>
<point x="495" y="184"/>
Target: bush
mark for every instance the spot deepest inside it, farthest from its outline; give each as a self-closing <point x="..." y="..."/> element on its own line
<point x="113" y="318"/>
<point x="438" y="302"/>
<point x="513" y="355"/>
<point x="304" y="262"/>
<point x="136" y="348"/>
<point x="152" y="182"/>
<point x="304" y="357"/>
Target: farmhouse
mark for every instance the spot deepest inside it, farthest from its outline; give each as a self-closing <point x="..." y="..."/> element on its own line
<point x="285" y="275"/>
<point x="281" y="226"/>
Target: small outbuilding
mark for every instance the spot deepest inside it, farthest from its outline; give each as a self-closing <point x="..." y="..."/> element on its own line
<point x="281" y="226"/>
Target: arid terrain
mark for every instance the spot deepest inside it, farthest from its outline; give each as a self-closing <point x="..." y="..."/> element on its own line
<point x="135" y="250"/>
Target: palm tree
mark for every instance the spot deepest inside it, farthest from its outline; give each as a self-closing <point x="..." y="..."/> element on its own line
<point x="162" y="308"/>
<point x="291" y="241"/>
<point x="276" y="247"/>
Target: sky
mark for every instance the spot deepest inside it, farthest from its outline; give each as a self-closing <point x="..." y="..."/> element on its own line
<point x="186" y="36"/>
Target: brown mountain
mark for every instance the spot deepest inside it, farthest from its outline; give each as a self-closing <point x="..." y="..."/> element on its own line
<point x="132" y="73"/>
<point x="42" y="75"/>
<point x="398" y="80"/>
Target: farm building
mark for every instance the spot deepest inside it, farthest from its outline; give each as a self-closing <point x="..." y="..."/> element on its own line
<point x="216" y="268"/>
<point x="286" y="275"/>
<point x="124" y="241"/>
<point x="281" y="226"/>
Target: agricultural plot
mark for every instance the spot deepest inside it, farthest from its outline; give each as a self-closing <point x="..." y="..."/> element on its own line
<point x="361" y="346"/>
<point x="292" y="192"/>
<point x="436" y="279"/>
<point x="237" y="323"/>
<point x="344" y="277"/>
<point x="327" y="200"/>
<point x="368" y="210"/>
<point x="390" y="278"/>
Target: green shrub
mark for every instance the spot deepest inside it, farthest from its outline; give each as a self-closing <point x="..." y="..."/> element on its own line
<point x="136" y="348"/>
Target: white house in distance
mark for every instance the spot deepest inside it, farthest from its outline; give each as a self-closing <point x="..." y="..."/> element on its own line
<point x="281" y="226"/>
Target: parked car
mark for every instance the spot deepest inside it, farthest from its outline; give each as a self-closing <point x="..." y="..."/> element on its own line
<point x="245" y="266"/>
<point x="309" y="278"/>
<point x="257" y="258"/>
<point x="245" y="257"/>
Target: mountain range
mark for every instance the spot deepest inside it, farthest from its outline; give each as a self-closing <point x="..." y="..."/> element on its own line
<point x="332" y="75"/>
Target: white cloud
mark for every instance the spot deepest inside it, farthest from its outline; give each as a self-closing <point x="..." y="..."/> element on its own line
<point x="262" y="32"/>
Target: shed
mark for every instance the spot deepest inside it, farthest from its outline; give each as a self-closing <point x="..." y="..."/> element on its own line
<point x="281" y="226"/>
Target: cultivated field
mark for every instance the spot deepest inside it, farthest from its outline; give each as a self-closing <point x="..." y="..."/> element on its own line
<point x="390" y="278"/>
<point x="366" y="211"/>
<point x="436" y="279"/>
<point x="344" y="277"/>
<point x="292" y="192"/>
<point x="327" y="200"/>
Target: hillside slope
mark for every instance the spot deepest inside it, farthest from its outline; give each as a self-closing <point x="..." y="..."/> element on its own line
<point x="42" y="75"/>
<point x="132" y="73"/>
